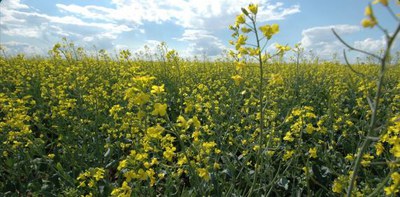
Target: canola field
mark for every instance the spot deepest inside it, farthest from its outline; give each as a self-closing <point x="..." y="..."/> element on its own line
<point x="90" y="124"/>
<point x="102" y="126"/>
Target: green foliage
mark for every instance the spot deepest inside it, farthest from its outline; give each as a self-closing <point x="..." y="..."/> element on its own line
<point x="146" y="124"/>
<point x="97" y="126"/>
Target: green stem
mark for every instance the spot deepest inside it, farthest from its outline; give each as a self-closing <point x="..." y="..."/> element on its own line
<point x="380" y="186"/>
<point x="371" y="132"/>
<point x="261" y="95"/>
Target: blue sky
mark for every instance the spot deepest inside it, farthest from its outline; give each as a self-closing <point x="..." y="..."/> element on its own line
<point x="192" y="27"/>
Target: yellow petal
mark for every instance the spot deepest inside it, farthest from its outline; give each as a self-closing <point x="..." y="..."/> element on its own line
<point x="368" y="11"/>
<point x="368" y="23"/>
<point x="383" y="2"/>
<point x="253" y="8"/>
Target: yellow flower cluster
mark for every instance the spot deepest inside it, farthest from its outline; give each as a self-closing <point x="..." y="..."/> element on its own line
<point x="394" y="188"/>
<point x="163" y="125"/>
<point x="90" y="177"/>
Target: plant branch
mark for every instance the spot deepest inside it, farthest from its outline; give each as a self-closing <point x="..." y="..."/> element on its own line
<point x="349" y="65"/>
<point x="354" y="49"/>
<point x="371" y="130"/>
<point x="393" y="14"/>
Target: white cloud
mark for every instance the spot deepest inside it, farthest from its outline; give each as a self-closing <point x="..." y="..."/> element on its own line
<point x="202" y="41"/>
<point x="322" y="41"/>
<point x="90" y="11"/>
<point x="103" y="26"/>
<point x="188" y="14"/>
<point x="20" y="20"/>
<point x="7" y="8"/>
<point x="371" y="45"/>
<point x="200" y="19"/>
<point x="14" y="4"/>
<point x="13" y="47"/>
<point x="323" y="35"/>
<point x="150" y="47"/>
<point x="276" y="12"/>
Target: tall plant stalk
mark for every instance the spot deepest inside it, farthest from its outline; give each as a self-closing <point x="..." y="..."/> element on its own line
<point x="241" y="29"/>
<point x="374" y="105"/>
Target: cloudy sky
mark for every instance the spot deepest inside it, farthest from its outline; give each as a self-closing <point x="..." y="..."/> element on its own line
<point x="192" y="27"/>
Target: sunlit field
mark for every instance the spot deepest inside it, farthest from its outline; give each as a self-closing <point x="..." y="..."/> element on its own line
<point x="246" y="124"/>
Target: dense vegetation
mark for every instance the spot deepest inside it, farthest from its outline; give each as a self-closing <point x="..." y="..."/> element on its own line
<point x="145" y="125"/>
<point x="149" y="127"/>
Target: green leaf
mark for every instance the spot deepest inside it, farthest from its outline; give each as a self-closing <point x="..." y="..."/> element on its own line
<point x="59" y="167"/>
<point x="284" y="182"/>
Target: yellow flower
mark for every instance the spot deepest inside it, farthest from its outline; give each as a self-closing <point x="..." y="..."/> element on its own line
<point x="203" y="173"/>
<point x="141" y="156"/>
<point x="390" y="190"/>
<point x="296" y="112"/>
<point x="124" y="191"/>
<point x="129" y="175"/>
<point x="254" y="51"/>
<point x="240" y="19"/>
<point x="91" y="183"/>
<point x="240" y="41"/>
<point x="155" y="132"/>
<point x="159" y="109"/>
<point x="154" y="161"/>
<point x="366" y="160"/>
<point x="182" y="122"/>
<point x="383" y="2"/>
<point x="82" y="176"/>
<point x="349" y="157"/>
<point x="182" y="160"/>
<point x="368" y="11"/>
<point x="157" y="89"/>
<point x="141" y="174"/>
<point x="396" y="149"/>
<point x="269" y="30"/>
<point x="169" y="153"/>
<point x="313" y="152"/>
<point x="99" y="174"/>
<point x="240" y="65"/>
<point x="253" y="8"/>
<point x="368" y="23"/>
<point x="141" y="98"/>
<point x="337" y="186"/>
<point x="309" y="128"/>
<point x="288" y="137"/>
<point x="281" y="49"/>
<point x="379" y="148"/>
<point x="394" y="188"/>
<point x="305" y="169"/>
<point x="150" y="173"/>
<point x="217" y="166"/>
<point x="161" y="175"/>
<point x="82" y="184"/>
<point x="237" y="79"/>
<point x="51" y="155"/>
<point x="196" y="122"/>
<point x="245" y="29"/>
<point x="256" y="147"/>
<point x="276" y="79"/>
<point x="122" y="164"/>
<point x="208" y="146"/>
<point x="288" y="154"/>
<point x="396" y="178"/>
<point x="371" y="20"/>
